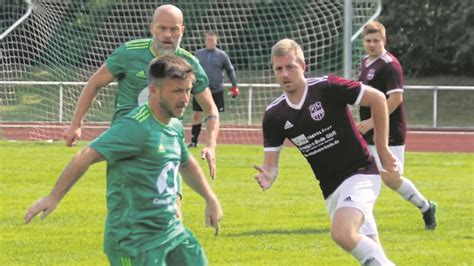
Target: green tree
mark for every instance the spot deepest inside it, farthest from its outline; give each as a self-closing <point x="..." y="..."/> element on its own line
<point x="431" y="37"/>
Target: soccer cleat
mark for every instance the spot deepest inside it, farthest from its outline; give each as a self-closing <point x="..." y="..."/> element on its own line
<point x="192" y="145"/>
<point x="429" y="216"/>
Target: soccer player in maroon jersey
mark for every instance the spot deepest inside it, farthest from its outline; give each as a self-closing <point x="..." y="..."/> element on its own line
<point x="313" y="114"/>
<point x="382" y="71"/>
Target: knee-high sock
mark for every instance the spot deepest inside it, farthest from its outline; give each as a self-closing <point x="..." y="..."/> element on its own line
<point x="195" y="131"/>
<point x="367" y="252"/>
<point x="409" y="192"/>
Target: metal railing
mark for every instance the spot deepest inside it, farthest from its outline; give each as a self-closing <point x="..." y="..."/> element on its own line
<point x="250" y="88"/>
<point x="435" y="90"/>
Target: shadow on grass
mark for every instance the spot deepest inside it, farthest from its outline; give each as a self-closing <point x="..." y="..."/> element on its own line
<point x="307" y="231"/>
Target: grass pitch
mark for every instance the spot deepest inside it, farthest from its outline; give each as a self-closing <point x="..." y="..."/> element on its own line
<point x="286" y="225"/>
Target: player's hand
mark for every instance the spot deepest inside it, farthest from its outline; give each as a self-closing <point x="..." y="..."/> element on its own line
<point x="365" y="126"/>
<point x="209" y="154"/>
<point x="390" y="169"/>
<point x="45" y="205"/>
<point x="72" y="135"/>
<point x="263" y="178"/>
<point x="213" y="215"/>
<point x="234" y="92"/>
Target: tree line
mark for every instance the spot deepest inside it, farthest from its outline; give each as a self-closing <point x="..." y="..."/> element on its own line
<point x="431" y="37"/>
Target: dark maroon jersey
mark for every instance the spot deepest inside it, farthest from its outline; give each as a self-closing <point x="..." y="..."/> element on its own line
<point x="386" y="75"/>
<point x="322" y="128"/>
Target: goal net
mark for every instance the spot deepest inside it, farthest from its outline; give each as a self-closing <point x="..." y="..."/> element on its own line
<point x="47" y="58"/>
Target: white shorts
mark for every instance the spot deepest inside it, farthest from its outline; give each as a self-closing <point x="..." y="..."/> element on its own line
<point x="360" y="192"/>
<point x="398" y="151"/>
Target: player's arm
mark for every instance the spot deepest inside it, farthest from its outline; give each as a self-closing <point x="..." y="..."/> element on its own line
<point x="393" y="101"/>
<point x="71" y="173"/>
<point x="99" y="79"/>
<point x="211" y="119"/>
<point x="268" y="172"/>
<point x="234" y="90"/>
<point x="379" y="113"/>
<point x="194" y="177"/>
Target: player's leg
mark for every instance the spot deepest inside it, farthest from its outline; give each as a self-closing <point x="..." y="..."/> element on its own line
<point x="218" y="98"/>
<point x="188" y="252"/>
<point x="197" y="123"/>
<point x="407" y="189"/>
<point x="350" y="208"/>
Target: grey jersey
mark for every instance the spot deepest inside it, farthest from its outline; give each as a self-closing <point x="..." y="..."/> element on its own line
<point x="214" y="62"/>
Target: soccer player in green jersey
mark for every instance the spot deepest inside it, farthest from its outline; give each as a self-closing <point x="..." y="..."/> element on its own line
<point x="144" y="152"/>
<point x="128" y="65"/>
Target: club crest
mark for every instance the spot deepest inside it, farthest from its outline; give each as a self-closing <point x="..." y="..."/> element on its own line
<point x="317" y="111"/>
<point x="371" y="74"/>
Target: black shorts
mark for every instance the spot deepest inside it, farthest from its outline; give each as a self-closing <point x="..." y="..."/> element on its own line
<point x="218" y="98"/>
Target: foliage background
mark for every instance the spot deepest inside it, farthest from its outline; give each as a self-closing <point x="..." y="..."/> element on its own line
<point x="431" y="37"/>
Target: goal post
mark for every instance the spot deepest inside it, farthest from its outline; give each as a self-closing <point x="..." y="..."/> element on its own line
<point x="46" y="59"/>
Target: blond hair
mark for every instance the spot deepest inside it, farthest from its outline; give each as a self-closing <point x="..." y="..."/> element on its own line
<point x="285" y="46"/>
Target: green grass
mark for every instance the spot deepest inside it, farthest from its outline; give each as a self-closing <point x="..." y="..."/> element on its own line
<point x="286" y="225"/>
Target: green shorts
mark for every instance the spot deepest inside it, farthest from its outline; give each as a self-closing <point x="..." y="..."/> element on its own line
<point x="178" y="251"/>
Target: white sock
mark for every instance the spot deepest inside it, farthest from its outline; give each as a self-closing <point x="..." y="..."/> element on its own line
<point x="367" y="252"/>
<point x="409" y="192"/>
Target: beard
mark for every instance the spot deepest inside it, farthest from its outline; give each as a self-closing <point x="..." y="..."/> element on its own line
<point x="166" y="51"/>
<point x="169" y="110"/>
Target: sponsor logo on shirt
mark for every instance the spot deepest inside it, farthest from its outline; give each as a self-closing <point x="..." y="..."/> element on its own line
<point x="371" y="74"/>
<point x="288" y="125"/>
<point x="300" y="140"/>
<point x="317" y="111"/>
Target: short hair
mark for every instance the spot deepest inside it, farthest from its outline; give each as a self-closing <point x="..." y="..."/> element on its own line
<point x="374" y="27"/>
<point x="211" y="33"/>
<point x="169" y="67"/>
<point x="283" y="47"/>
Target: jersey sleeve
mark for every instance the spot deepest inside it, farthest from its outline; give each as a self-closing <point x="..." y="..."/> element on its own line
<point x="229" y="68"/>
<point x="273" y="137"/>
<point x="116" y="61"/>
<point x="393" y="78"/>
<point x="202" y="81"/>
<point x="124" y="139"/>
<point x="344" y="91"/>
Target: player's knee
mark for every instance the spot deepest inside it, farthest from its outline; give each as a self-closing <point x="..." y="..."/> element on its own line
<point x="344" y="236"/>
<point x="391" y="181"/>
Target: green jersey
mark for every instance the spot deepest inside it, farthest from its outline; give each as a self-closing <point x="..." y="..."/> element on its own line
<point x="129" y="65"/>
<point x="143" y="158"/>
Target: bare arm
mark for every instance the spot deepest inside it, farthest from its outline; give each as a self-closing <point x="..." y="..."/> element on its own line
<point x="211" y="119"/>
<point x="100" y="78"/>
<point x="194" y="177"/>
<point x="71" y="173"/>
<point x="379" y="113"/>
<point x="268" y="172"/>
<point x="394" y="100"/>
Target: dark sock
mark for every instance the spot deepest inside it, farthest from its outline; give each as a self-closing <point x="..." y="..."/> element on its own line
<point x="195" y="131"/>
